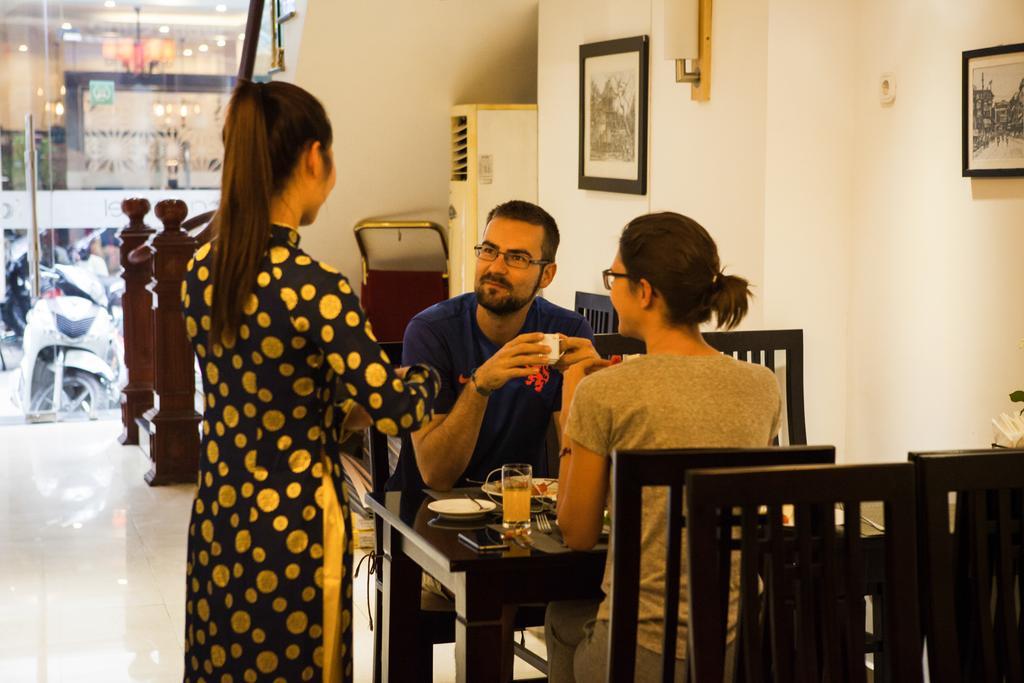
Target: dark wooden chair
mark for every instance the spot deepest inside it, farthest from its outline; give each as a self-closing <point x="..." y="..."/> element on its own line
<point x="813" y="575"/>
<point x="608" y="345"/>
<point x="972" y="578"/>
<point x="763" y="347"/>
<point x="598" y="310"/>
<point x="632" y="471"/>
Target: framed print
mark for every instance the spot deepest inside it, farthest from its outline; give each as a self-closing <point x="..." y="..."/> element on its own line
<point x="613" y="115"/>
<point x="993" y="111"/>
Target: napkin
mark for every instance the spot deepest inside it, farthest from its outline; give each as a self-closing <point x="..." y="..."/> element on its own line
<point x="1008" y="431"/>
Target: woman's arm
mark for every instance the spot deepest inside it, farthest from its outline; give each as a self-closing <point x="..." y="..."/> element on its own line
<point x="582" y="492"/>
<point x="327" y="313"/>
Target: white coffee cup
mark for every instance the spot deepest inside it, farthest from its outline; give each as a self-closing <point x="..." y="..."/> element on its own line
<point x="554" y="342"/>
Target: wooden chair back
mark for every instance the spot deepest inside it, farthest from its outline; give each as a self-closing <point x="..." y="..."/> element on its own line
<point x="632" y="471"/>
<point x="813" y="574"/>
<point x="972" y="578"/>
<point x="599" y="312"/>
<point x="763" y="347"/>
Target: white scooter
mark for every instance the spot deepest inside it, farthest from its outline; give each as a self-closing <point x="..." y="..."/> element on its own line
<point x="73" y="351"/>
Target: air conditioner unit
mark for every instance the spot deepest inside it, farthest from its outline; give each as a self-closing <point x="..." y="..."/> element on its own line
<point x="494" y="159"/>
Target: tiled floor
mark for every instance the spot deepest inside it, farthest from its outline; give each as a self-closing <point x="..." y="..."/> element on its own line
<point x="92" y="564"/>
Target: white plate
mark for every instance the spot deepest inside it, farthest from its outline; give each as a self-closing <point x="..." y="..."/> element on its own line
<point x="461" y="508"/>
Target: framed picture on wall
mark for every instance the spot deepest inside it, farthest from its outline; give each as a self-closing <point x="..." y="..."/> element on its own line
<point x="993" y="111"/>
<point x="613" y="115"/>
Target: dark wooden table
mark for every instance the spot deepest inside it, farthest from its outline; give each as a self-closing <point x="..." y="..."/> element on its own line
<point x="487" y="587"/>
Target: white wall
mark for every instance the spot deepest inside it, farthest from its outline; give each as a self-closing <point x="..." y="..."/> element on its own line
<point x="388" y="71"/>
<point x="709" y="160"/>
<point x="850" y="217"/>
<point x="687" y="140"/>
<point x="937" y="276"/>
<point x="589" y="221"/>
<point x="809" y="195"/>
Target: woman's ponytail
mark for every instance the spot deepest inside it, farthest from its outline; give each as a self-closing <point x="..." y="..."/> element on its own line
<point x="268" y="127"/>
<point x="730" y="299"/>
<point x="242" y="223"/>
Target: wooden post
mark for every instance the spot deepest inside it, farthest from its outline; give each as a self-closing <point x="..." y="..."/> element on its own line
<point x="137" y="396"/>
<point x="174" y="432"/>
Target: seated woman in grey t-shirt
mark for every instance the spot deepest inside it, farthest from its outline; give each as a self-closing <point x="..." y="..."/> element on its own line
<point x="665" y="281"/>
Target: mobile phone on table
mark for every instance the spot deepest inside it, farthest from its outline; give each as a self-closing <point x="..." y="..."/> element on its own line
<point x="484" y="540"/>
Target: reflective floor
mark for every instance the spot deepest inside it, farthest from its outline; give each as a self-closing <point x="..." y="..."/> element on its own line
<point x="92" y="564"/>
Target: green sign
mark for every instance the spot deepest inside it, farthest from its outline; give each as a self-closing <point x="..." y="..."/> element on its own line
<point x="101" y="92"/>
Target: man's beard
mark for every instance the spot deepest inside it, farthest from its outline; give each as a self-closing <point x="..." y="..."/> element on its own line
<point x="508" y="305"/>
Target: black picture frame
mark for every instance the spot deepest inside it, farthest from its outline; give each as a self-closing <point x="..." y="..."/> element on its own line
<point x="615" y="158"/>
<point x="993" y="112"/>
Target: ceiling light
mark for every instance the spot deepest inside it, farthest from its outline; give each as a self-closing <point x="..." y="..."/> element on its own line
<point x="23" y="48"/>
<point x="164" y="29"/>
<point x="66" y="26"/>
<point x="184" y="110"/>
<point x="187" y="52"/>
<point x="63" y="90"/>
<point x="109" y="3"/>
<point x="39" y="92"/>
<point x="222" y="8"/>
<point x="59" y="109"/>
<point x="204" y="47"/>
<point x="158" y="109"/>
<point x="221" y="42"/>
<point x="241" y="36"/>
<point x="72" y="36"/>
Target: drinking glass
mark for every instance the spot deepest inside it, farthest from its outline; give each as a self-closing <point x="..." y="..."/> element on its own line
<point x="516" y="485"/>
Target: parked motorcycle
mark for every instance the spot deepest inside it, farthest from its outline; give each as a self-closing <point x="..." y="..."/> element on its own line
<point x="73" y="351"/>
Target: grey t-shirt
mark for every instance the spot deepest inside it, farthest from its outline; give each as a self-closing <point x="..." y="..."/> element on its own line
<point x="670" y="401"/>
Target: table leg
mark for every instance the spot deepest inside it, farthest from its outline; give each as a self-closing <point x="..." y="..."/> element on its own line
<point x="483" y="633"/>
<point x="400" y="616"/>
<point x="378" y="631"/>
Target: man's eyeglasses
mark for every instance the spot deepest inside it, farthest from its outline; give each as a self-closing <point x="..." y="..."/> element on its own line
<point x="486" y="252"/>
<point x="610" y="275"/>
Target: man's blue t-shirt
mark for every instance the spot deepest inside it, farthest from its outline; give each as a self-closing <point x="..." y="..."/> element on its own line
<point x="446" y="336"/>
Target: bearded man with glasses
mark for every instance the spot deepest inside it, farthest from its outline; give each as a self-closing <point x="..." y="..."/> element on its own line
<point x="498" y="395"/>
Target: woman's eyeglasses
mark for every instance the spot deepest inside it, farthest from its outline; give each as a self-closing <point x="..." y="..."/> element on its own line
<point x="609" y="277"/>
<point x="486" y="252"/>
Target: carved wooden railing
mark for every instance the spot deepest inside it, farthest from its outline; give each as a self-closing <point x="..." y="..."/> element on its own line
<point x="158" y="355"/>
<point x="137" y="396"/>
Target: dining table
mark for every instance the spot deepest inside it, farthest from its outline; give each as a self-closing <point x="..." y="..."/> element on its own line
<point x="488" y="587"/>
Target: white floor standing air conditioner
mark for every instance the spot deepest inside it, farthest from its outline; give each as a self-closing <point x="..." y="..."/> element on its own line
<point x="494" y="159"/>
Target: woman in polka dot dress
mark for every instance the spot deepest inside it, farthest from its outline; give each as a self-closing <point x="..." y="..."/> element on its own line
<point x="289" y="366"/>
